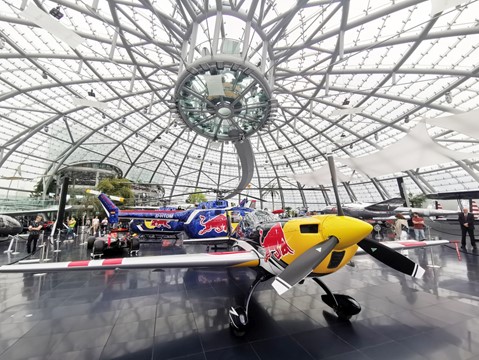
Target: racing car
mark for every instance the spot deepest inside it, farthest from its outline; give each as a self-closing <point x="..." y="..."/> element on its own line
<point x="117" y="240"/>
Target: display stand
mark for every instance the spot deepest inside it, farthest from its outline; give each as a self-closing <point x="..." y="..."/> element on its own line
<point x="15" y="252"/>
<point x="82" y="235"/>
<point x="10" y="250"/>
<point x="432" y="260"/>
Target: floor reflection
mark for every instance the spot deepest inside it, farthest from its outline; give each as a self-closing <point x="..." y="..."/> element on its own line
<point x="183" y="313"/>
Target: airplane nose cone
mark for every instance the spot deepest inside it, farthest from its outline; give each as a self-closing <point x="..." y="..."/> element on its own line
<point x="348" y="230"/>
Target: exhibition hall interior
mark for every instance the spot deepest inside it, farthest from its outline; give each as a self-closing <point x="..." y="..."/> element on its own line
<point x="239" y="179"/>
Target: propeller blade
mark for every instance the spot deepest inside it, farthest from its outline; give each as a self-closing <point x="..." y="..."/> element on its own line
<point x="391" y="258"/>
<point x="303" y="265"/>
<point x="334" y="180"/>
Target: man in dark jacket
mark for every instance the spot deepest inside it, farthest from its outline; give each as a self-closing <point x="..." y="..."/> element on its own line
<point x="34" y="234"/>
<point x="466" y="220"/>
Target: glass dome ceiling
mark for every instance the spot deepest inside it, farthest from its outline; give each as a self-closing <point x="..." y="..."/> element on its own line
<point x="97" y="85"/>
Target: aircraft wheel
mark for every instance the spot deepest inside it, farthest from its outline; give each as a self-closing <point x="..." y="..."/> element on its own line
<point x="90" y="241"/>
<point x="98" y="247"/>
<point x="238" y="321"/>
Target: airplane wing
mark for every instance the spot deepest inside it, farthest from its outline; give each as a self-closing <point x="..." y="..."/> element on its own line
<point x="32" y="211"/>
<point x="205" y="260"/>
<point x="386" y="205"/>
<point x="407" y="244"/>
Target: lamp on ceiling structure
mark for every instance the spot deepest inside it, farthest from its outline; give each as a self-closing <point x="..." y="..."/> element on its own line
<point x="56" y="13"/>
<point x="448" y="97"/>
<point x="236" y="99"/>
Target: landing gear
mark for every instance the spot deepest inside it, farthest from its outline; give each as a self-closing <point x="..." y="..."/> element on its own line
<point x="343" y="305"/>
<point x="238" y="314"/>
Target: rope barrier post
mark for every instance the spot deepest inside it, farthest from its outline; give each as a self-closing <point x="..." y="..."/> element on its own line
<point x="58" y="243"/>
<point x="432" y="260"/>
<point x="83" y="233"/>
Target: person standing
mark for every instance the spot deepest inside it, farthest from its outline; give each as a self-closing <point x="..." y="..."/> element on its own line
<point x="71" y="227"/>
<point x="104" y="226"/>
<point x="466" y="219"/>
<point x="418" y="224"/>
<point x="34" y="233"/>
<point x="95" y="224"/>
<point x="401" y="226"/>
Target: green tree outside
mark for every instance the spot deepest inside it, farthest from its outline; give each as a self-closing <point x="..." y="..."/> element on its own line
<point x="196" y="198"/>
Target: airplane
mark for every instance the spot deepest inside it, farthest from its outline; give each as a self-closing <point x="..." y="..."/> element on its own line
<point x="287" y="250"/>
<point x="208" y="220"/>
<point x="9" y="226"/>
<point x="384" y="210"/>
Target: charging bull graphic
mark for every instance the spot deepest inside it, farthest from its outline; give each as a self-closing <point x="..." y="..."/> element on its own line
<point x="274" y="242"/>
<point x="217" y="224"/>
<point x="159" y="224"/>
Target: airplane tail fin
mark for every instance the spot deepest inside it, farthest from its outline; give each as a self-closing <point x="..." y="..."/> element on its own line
<point x="110" y="208"/>
<point x="252" y="204"/>
<point x="475" y="210"/>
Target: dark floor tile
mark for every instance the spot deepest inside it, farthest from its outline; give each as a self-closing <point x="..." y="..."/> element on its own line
<point x="174" y="324"/>
<point x="283" y="347"/>
<point x="218" y="339"/>
<point x="176" y="345"/>
<point x="131" y="349"/>
<point x="243" y="352"/>
<point x="296" y="322"/>
<point x="390" y="327"/>
<point x="353" y="355"/>
<point x="359" y="335"/>
<point x="123" y="332"/>
<point x="83" y="339"/>
<point x="322" y="343"/>
<point x="35" y="346"/>
<point x="86" y="354"/>
<point x="434" y="347"/>
<point x="392" y="351"/>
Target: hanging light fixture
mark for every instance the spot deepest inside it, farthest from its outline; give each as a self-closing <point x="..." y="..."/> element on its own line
<point x="56" y="13"/>
<point x="448" y="97"/>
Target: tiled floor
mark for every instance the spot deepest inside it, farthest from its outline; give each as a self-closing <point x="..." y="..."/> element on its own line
<point x="182" y="314"/>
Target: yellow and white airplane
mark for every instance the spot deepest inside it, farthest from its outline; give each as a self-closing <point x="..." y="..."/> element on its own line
<point x="289" y="250"/>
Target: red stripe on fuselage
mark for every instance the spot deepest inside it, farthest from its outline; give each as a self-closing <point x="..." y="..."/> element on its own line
<point x="79" y="263"/>
<point x="112" y="262"/>
<point x="228" y="252"/>
<point x="415" y="243"/>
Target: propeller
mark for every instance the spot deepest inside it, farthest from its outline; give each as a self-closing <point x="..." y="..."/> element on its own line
<point x="391" y="258"/>
<point x="303" y="265"/>
<point x="377" y="250"/>
<point x="334" y="180"/>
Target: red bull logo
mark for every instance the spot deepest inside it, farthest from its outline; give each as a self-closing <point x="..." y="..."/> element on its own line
<point x="159" y="224"/>
<point x="274" y="242"/>
<point x="217" y="224"/>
